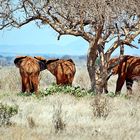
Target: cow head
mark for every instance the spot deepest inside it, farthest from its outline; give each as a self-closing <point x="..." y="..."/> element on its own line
<point x="42" y="62"/>
<point x="18" y="60"/>
<point x="113" y="66"/>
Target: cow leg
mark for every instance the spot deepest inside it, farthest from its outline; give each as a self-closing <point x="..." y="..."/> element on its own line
<point x="35" y="82"/>
<point x="31" y="84"/>
<point x="59" y="82"/>
<point x="69" y="78"/>
<point x="70" y="83"/>
<point x="24" y="83"/>
<point x="120" y="83"/>
<point x="129" y="83"/>
<point x="27" y="84"/>
<point x="106" y="88"/>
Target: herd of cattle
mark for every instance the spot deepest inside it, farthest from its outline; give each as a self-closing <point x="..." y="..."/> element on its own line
<point x="30" y="68"/>
<point x="127" y="67"/>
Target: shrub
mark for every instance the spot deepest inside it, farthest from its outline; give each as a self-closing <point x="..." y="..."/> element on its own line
<point x="59" y="124"/>
<point x="76" y="91"/>
<point x="111" y="94"/>
<point x="6" y="112"/>
<point x="100" y="106"/>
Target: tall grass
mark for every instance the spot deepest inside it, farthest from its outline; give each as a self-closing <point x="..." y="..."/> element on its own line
<point x="66" y="117"/>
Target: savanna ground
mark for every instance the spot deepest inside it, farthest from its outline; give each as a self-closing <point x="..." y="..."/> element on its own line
<point x="64" y="116"/>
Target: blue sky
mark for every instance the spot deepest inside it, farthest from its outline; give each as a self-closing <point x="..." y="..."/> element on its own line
<point x="30" y="39"/>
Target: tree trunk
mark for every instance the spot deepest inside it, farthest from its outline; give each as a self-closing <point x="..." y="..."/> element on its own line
<point x="101" y="75"/>
<point x="91" y="58"/>
<point x="101" y="80"/>
<point x="98" y="74"/>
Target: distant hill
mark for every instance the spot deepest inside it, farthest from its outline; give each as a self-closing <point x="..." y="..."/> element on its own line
<point x="72" y="48"/>
<point x="7" y="59"/>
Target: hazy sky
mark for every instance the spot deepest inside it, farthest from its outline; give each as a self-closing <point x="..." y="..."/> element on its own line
<point x="31" y="39"/>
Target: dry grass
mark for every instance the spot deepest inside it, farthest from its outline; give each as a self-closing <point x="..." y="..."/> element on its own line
<point x="65" y="117"/>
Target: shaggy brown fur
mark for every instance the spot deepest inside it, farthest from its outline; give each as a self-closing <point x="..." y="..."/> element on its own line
<point x="29" y="70"/>
<point x="63" y="70"/>
<point x="128" y="70"/>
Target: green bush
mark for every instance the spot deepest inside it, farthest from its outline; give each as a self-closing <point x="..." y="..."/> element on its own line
<point x="76" y="91"/>
<point x="111" y="94"/>
<point x="6" y="112"/>
<point x="25" y="94"/>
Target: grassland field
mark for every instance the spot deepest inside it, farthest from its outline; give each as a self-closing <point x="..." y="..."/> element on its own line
<point x="60" y="116"/>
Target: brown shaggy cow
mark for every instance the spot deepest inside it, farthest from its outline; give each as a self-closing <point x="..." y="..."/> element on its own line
<point x="29" y="70"/>
<point x="63" y="70"/>
<point x="128" y="69"/>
